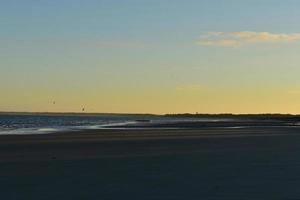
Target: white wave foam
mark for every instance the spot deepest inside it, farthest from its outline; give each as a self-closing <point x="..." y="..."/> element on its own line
<point x="48" y="130"/>
<point x="116" y="124"/>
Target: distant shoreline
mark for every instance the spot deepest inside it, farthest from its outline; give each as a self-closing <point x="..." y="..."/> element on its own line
<point x="181" y="115"/>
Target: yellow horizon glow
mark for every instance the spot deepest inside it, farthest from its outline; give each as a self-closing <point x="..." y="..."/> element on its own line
<point x="184" y="99"/>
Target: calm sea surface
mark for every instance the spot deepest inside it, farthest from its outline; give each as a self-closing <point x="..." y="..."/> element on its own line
<point x="43" y="124"/>
<point x="39" y="124"/>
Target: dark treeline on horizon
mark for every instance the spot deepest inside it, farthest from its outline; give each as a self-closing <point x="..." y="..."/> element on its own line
<point x="245" y="116"/>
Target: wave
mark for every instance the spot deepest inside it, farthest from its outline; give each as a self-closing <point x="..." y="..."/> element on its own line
<point x="49" y="130"/>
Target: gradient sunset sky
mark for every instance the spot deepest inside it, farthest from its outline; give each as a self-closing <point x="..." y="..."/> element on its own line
<point x="150" y="56"/>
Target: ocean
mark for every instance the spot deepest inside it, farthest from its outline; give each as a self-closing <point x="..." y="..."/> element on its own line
<point x="43" y="124"/>
<point x="24" y="124"/>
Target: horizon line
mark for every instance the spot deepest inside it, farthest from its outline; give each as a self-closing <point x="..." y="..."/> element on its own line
<point x="121" y="113"/>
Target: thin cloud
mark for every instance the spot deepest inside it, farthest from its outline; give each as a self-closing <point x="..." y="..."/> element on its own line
<point x="224" y="43"/>
<point x="231" y="39"/>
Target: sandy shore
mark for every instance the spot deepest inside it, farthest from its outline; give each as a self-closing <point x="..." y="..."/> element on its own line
<point x="256" y="163"/>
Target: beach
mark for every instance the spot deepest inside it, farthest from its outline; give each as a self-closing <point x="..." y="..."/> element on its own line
<point x="249" y="163"/>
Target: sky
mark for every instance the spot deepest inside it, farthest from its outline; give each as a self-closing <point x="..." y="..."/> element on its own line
<point x="150" y="56"/>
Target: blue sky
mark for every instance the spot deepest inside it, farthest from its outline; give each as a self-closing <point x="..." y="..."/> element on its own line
<point x="149" y="20"/>
<point x="90" y="52"/>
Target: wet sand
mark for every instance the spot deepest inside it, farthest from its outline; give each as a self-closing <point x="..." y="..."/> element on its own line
<point x="250" y="163"/>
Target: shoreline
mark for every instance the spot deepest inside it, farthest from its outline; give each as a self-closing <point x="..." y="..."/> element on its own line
<point x="123" y="133"/>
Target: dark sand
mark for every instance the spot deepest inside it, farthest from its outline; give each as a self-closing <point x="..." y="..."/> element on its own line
<point x="253" y="163"/>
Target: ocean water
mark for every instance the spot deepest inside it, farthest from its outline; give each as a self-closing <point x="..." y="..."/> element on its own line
<point x="11" y="124"/>
<point x="43" y="124"/>
<point x="22" y="124"/>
